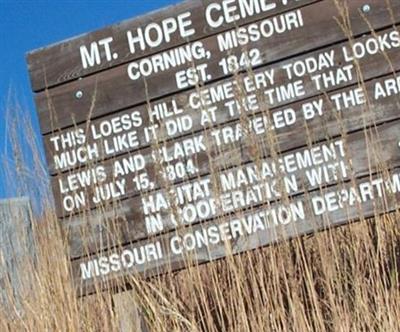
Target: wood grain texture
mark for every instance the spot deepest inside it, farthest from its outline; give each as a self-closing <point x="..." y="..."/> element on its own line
<point x="17" y="247"/>
<point x="112" y="90"/>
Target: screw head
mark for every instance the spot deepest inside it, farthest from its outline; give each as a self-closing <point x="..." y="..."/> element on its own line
<point x="366" y="8"/>
<point x="79" y="94"/>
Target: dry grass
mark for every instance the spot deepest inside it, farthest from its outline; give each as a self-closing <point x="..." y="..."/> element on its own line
<point x="344" y="279"/>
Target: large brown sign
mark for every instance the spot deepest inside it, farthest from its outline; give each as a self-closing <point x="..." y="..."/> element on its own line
<point x="219" y="126"/>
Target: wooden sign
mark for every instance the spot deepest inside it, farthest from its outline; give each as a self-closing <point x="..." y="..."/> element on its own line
<point x="216" y="127"/>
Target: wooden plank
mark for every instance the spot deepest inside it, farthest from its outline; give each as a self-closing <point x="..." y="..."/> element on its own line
<point x="316" y="211"/>
<point x="61" y="63"/>
<point x="128" y="314"/>
<point x="17" y="251"/>
<point x="138" y="218"/>
<point x="98" y="136"/>
<point x="193" y="152"/>
<point x="113" y="90"/>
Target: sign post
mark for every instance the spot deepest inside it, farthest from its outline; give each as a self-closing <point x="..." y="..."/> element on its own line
<point x="218" y="127"/>
<point x="16" y="249"/>
<point x="128" y="313"/>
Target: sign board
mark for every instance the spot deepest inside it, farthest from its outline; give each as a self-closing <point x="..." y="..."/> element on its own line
<point x="219" y="126"/>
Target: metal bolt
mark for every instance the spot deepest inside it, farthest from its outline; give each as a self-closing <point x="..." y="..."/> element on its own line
<point x="366" y="8"/>
<point x="79" y="94"/>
